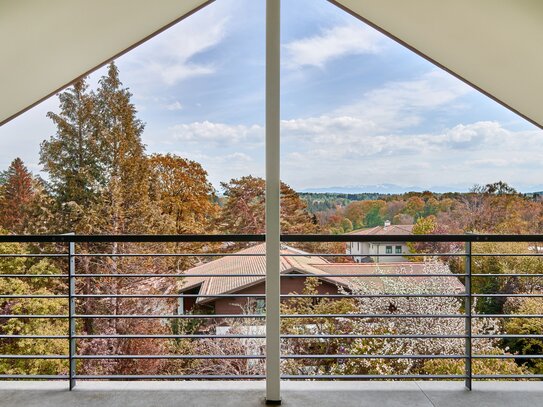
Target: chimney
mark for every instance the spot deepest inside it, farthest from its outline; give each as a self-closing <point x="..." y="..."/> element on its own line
<point x="387" y="223"/>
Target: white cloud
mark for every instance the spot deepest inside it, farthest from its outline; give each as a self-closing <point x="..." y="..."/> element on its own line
<point x="401" y="104"/>
<point x="331" y="44"/>
<point x="378" y="122"/>
<point x="169" y="58"/>
<point x="174" y="106"/>
<point x="217" y="133"/>
<point x="478" y="152"/>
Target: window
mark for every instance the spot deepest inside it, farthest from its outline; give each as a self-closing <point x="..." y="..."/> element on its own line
<point x="398" y="249"/>
<point x="389" y="250"/>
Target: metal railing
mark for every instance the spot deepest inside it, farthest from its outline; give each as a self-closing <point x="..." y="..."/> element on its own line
<point x="73" y="336"/>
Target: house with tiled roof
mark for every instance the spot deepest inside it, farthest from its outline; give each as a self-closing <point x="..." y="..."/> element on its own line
<point x="243" y="273"/>
<point x="379" y="252"/>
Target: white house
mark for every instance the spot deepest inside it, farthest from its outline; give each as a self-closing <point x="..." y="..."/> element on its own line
<point x="364" y="252"/>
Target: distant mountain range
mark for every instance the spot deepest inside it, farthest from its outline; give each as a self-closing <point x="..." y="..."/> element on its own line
<point x="398" y="189"/>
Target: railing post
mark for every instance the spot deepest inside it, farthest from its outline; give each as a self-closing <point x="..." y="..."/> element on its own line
<point x="468" y="304"/>
<point x="71" y="313"/>
<point x="273" y="188"/>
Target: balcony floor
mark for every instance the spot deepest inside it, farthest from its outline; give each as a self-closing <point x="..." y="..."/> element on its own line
<point x="242" y="394"/>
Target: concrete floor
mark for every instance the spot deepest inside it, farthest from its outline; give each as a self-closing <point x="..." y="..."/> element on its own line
<point x="244" y="394"/>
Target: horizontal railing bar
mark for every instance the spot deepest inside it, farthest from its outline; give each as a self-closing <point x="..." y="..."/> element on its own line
<point x="34" y="376"/>
<point x="34" y="275"/>
<point x="411" y="238"/>
<point x="34" y="255"/>
<point x="508" y="376"/>
<point x="171" y="255"/>
<point x="54" y="255"/>
<point x="281" y="255"/>
<point x="288" y="336"/>
<point x="105" y="357"/>
<point x="233" y="295"/>
<point x="354" y="336"/>
<point x="370" y="377"/>
<point x="507" y="336"/>
<point x="34" y="336"/>
<point x="307" y="316"/>
<point x="34" y="357"/>
<point x="415" y="255"/>
<point x="507" y="356"/>
<point x="509" y="295"/>
<point x="37" y="296"/>
<point x="168" y="377"/>
<point x="189" y="238"/>
<point x="373" y="356"/>
<point x="95" y="275"/>
<point x="167" y="316"/>
<point x="309" y="254"/>
<point x="288" y="238"/>
<point x="506" y="275"/>
<point x="263" y="275"/>
<point x="507" y="316"/>
<point x="409" y="316"/>
<point x="172" y="336"/>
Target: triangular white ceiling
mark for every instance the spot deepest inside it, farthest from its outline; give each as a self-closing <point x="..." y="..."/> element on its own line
<point x="47" y="44"/>
<point x="494" y="45"/>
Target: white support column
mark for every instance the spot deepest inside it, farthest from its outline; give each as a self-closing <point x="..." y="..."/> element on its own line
<point x="273" y="186"/>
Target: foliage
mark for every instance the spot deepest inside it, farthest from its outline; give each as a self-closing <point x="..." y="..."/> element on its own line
<point x="16" y="194"/>
<point x="504" y="265"/>
<point x="314" y="326"/>
<point x="479" y="366"/>
<point x="181" y="188"/>
<point x="526" y="326"/>
<point x="26" y="306"/>
<point x="414" y="326"/>
<point x="244" y="209"/>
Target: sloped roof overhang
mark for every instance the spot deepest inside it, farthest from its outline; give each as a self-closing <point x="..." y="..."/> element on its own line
<point x="47" y="45"/>
<point x="492" y="45"/>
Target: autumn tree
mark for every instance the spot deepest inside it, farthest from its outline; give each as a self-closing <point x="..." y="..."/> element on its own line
<point x="100" y="176"/>
<point x="366" y="213"/>
<point x="182" y="189"/>
<point x="415" y="207"/>
<point x="16" y="194"/>
<point x="70" y="157"/>
<point x="244" y="209"/>
<point x="415" y="305"/>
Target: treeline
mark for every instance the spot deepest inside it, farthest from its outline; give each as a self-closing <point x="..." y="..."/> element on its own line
<point x="318" y="202"/>
<point x="491" y="208"/>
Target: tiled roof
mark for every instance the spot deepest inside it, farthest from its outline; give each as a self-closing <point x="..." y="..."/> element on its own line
<point x="252" y="261"/>
<point x="248" y="261"/>
<point x="385" y="230"/>
<point x="375" y="269"/>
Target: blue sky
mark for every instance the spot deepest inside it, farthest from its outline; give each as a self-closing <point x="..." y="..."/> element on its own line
<point x="357" y="108"/>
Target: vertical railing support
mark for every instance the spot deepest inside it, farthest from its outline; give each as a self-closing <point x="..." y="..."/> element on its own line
<point x="468" y="305"/>
<point x="273" y="186"/>
<point x="71" y="313"/>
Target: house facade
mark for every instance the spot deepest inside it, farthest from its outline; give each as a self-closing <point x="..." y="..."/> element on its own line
<point x="379" y="252"/>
